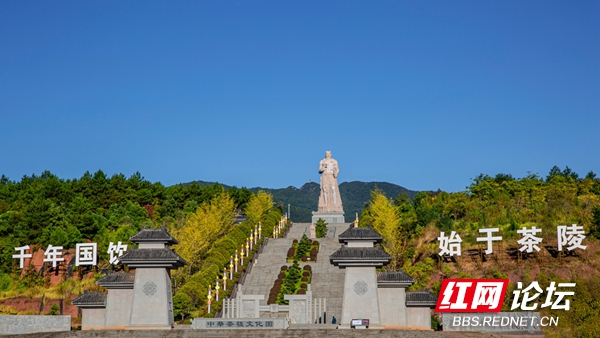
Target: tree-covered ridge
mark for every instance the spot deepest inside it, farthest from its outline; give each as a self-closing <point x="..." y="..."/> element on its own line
<point x="410" y="231"/>
<point x="562" y="198"/>
<point x="45" y="209"/>
<point x="355" y="195"/>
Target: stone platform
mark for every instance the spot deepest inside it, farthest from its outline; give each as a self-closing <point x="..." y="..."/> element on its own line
<point x="329" y="217"/>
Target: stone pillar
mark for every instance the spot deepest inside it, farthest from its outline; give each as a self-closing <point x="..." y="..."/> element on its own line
<point x="152" y="305"/>
<point x="360" y="296"/>
<point x="92" y="319"/>
<point x="250" y="307"/>
<point x="299" y="310"/>
<point x="392" y="308"/>
<point x="392" y="297"/>
<point x="360" y="259"/>
<point x="118" y="308"/>
<point x="93" y="310"/>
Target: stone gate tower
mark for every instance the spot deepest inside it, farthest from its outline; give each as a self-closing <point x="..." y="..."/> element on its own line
<point x="152" y="305"/>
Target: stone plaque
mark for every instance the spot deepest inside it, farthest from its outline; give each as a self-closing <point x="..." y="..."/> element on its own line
<point x="298" y="313"/>
<point x="239" y="323"/>
<point x="248" y="308"/>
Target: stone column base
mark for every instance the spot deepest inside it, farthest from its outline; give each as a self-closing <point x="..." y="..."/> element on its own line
<point x="329" y="217"/>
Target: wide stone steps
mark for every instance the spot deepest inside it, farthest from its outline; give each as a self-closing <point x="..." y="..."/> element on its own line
<point x="266" y="268"/>
<point x="327" y="281"/>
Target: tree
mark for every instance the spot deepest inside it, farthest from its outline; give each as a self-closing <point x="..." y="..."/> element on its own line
<point x="182" y="305"/>
<point x="595" y="224"/>
<point x="258" y="206"/>
<point x="568" y="173"/>
<point x="201" y="230"/>
<point x="555" y="171"/>
<point x="591" y="175"/>
<point x="386" y="221"/>
<point x="64" y="289"/>
<point x="321" y="228"/>
<point x="240" y="196"/>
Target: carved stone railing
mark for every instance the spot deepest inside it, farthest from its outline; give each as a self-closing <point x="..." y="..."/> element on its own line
<point x="302" y="309"/>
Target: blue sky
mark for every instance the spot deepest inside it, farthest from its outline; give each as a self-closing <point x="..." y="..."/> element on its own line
<point x="426" y="95"/>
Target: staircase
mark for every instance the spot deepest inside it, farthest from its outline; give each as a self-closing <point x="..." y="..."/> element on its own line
<point x="327" y="280"/>
<point x="265" y="270"/>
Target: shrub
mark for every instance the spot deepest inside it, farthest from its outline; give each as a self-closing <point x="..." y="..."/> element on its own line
<point x="284" y="267"/>
<point x="5" y="282"/>
<point x="273" y="294"/>
<point x="54" y="310"/>
<point x="303" y="247"/>
<point x="307" y="268"/>
<point x="303" y="286"/>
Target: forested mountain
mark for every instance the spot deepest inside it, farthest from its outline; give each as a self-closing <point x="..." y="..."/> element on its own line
<point x="303" y="201"/>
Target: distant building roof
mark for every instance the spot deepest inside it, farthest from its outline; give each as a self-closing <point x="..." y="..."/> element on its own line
<point x="364" y="234"/>
<point x="360" y="256"/>
<point x="421" y="298"/>
<point x="153" y="235"/>
<point x="90" y="299"/>
<point x="117" y="281"/>
<point x="394" y="279"/>
<point x="152" y="258"/>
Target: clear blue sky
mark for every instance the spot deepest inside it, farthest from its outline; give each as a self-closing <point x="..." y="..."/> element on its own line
<point x="424" y="94"/>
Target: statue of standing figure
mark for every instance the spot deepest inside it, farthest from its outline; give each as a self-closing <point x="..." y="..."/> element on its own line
<point x="329" y="199"/>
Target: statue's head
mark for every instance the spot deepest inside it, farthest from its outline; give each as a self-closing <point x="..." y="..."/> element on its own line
<point x="328" y="154"/>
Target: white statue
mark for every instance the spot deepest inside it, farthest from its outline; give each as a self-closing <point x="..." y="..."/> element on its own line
<point x="329" y="200"/>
